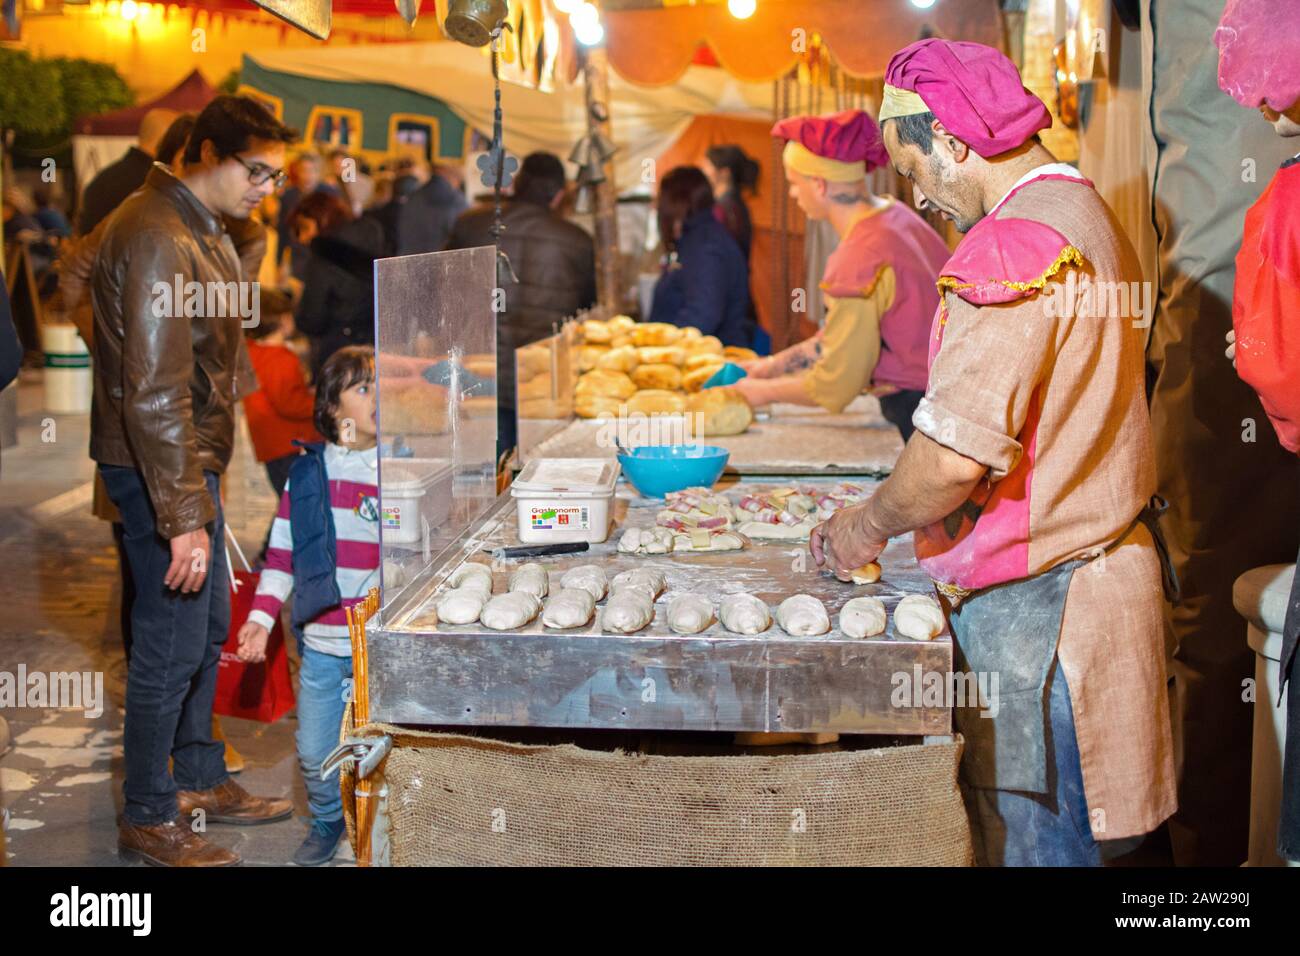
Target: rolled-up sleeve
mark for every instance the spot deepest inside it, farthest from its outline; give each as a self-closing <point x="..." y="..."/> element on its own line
<point x="983" y="380"/>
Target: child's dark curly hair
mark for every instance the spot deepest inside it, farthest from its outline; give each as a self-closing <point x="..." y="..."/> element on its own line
<point x="349" y="366"/>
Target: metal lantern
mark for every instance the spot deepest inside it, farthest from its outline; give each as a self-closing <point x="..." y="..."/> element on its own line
<point x="472" y="21"/>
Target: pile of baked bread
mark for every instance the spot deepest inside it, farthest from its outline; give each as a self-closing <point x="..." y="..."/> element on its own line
<point x="632" y="368"/>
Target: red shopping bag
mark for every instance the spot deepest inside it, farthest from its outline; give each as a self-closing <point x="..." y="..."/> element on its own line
<point x="261" y="691"/>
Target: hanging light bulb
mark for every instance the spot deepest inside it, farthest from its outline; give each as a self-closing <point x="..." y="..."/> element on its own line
<point x="586" y="25"/>
<point x="923" y="4"/>
<point x="742" y="9"/>
<point x="566" y="6"/>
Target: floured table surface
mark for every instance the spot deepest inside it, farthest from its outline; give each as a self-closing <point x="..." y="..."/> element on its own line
<point x="423" y="672"/>
<point x="793" y="440"/>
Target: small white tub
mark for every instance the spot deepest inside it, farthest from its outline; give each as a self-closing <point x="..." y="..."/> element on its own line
<point x="414" y="494"/>
<point x="561" y="500"/>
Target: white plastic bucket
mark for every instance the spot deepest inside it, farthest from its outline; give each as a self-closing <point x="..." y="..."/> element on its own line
<point x="67" y="370"/>
<point x="414" y="495"/>
<point x="561" y="500"/>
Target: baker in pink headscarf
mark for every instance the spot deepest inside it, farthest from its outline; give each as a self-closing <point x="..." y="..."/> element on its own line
<point x="1028" y="484"/>
<point x="1259" y="67"/>
<point x="879" y="281"/>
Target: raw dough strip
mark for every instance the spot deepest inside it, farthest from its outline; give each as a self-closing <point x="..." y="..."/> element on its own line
<point x="590" y="577"/>
<point x="743" y="613"/>
<point x="505" y="612"/>
<point x="478" y="576"/>
<point x="646" y="541"/>
<point x="918" y="617"/>
<point x="530" y="577"/>
<point x="802" y="615"/>
<point x="689" y="613"/>
<point x="570" y="607"/>
<point x="863" y="617"/>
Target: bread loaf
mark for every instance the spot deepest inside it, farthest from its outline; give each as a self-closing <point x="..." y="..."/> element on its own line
<point x="596" y="406"/>
<point x="621" y="359"/>
<point x="606" y="383"/>
<point x="735" y="353"/>
<point x="654" y="333"/>
<point x="724" y="411"/>
<point x="621" y="324"/>
<point x="595" y="332"/>
<point x="657" y="375"/>
<point x="694" y="380"/>
<point x="589" y="355"/>
<point x="654" y="354"/>
<point x="700" y="359"/>
<point x="655" y="401"/>
<point x="705" y="344"/>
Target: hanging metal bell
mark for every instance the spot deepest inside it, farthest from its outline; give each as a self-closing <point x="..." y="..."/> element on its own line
<point x="472" y="21"/>
<point x="310" y="16"/>
<point x="408" y="10"/>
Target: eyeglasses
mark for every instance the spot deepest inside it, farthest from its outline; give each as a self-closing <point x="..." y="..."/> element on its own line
<point x="259" y="175"/>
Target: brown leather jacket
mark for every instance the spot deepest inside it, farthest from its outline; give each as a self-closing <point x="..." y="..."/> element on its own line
<point x="164" y="393"/>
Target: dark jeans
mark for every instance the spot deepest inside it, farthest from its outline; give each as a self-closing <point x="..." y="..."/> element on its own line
<point x="172" y="677"/>
<point x="898" y="408"/>
<point x="128" y="590"/>
<point x="277" y="472"/>
<point x="1011" y="828"/>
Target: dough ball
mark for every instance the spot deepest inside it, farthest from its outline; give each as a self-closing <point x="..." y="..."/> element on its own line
<point x="657" y="375"/>
<point x="723" y="411"/>
<point x="867" y="574"/>
<point x="651" y="579"/>
<point x="590" y="577"/>
<point x="621" y="359"/>
<point x="862" y="617"/>
<point x="743" y="613"/>
<point x="655" y="401"/>
<point x="627" y="611"/>
<point x="571" y="607"/>
<point x="460" y="605"/>
<point x="667" y="355"/>
<point x="605" y="383"/>
<point x="689" y="613"/>
<point x="918" y="617"/>
<point x="505" y="612"/>
<point x="530" y="577"/>
<point x="471" y="575"/>
<point x="802" y="615"/>
<point x="654" y="333"/>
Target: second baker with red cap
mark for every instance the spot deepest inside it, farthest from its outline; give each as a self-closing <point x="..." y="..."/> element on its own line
<point x="879" y="281"/>
<point x="1028" y="483"/>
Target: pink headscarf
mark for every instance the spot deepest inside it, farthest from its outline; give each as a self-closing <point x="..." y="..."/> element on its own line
<point x="1259" y="53"/>
<point x="850" y="136"/>
<point x="974" y="90"/>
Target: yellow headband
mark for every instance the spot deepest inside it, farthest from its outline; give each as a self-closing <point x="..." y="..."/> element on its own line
<point x="802" y="160"/>
<point x="897" y="102"/>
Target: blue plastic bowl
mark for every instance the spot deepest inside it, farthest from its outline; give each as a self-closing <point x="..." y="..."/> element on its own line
<point x="659" y="469"/>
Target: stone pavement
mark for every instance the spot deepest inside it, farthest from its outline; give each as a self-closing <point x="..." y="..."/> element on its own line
<point x="61" y="785"/>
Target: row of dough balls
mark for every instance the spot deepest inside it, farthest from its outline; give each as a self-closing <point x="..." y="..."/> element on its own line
<point x="917" y="617"/>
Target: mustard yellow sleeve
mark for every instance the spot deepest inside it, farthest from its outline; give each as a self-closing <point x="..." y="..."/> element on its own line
<point x="850" y="345"/>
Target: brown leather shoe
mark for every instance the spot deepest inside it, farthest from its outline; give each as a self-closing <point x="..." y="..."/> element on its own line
<point x="230" y="803"/>
<point x="170" y="844"/>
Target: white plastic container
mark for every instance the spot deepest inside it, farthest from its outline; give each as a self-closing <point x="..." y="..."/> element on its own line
<point x="67" y="370"/>
<point x="560" y="500"/>
<point x="414" y="495"/>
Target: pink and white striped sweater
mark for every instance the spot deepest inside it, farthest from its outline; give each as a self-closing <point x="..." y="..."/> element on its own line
<point x="354" y="503"/>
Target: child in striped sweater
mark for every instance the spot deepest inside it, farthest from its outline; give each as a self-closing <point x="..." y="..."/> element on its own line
<point x="343" y="472"/>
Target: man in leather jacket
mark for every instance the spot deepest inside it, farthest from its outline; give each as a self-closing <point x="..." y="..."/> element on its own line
<point x="167" y="295"/>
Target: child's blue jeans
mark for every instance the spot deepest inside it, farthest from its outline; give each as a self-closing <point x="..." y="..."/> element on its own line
<point x="324" y="685"/>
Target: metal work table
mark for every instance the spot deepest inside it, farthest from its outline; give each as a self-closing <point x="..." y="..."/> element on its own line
<point x="655" y="679"/>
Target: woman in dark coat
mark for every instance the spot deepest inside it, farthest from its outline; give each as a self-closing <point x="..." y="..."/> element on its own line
<point x="705" y="282"/>
<point x="337" y="305"/>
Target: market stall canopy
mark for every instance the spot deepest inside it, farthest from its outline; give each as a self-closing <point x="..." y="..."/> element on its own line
<point x="190" y="95"/>
<point x="656" y="46"/>
<point x="646" y="121"/>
